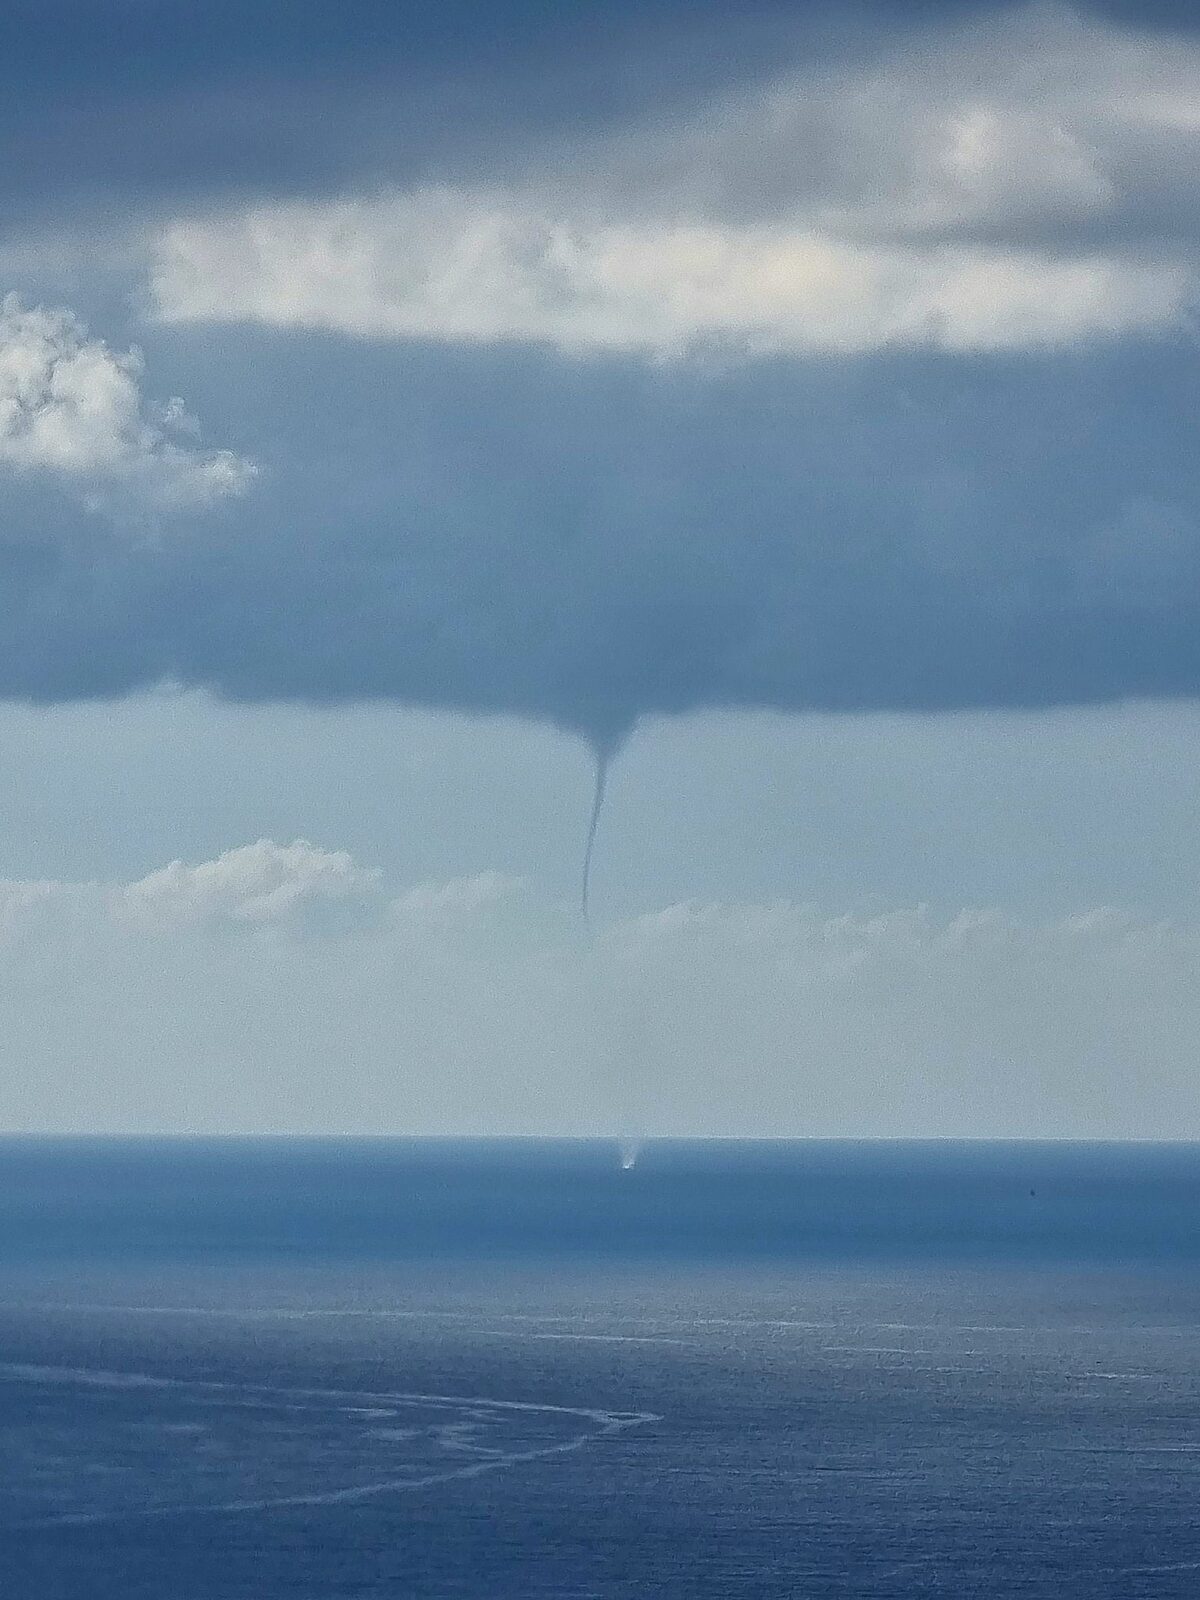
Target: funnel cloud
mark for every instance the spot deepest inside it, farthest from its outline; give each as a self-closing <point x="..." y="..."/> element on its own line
<point x="603" y="757"/>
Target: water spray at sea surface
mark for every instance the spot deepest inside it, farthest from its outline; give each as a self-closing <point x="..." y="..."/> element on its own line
<point x="628" y="1150"/>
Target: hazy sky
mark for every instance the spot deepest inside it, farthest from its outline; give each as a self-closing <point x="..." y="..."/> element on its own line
<point x="397" y="403"/>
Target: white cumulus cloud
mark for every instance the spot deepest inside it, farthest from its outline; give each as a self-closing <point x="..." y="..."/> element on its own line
<point x="256" y="883"/>
<point x="252" y="885"/>
<point x="73" y="408"/>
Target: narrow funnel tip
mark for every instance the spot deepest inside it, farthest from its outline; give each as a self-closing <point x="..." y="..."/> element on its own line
<point x="602" y="762"/>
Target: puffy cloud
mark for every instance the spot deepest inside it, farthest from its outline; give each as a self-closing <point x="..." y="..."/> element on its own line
<point x="1035" y="127"/>
<point x="256" y="883"/>
<point x="998" y="187"/>
<point x="253" y="885"/>
<point x="72" y="408"/>
<point x="460" y="268"/>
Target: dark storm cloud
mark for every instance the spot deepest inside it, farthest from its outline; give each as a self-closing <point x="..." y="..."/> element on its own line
<point x="589" y="537"/>
<point x="108" y="104"/>
<point x="501" y="531"/>
<point x="151" y="100"/>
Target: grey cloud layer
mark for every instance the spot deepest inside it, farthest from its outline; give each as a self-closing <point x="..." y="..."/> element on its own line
<point x="867" y="384"/>
<point x="494" y="531"/>
<point x="149" y="101"/>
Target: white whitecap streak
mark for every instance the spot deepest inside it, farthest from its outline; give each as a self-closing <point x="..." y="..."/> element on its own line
<point x="457" y="1445"/>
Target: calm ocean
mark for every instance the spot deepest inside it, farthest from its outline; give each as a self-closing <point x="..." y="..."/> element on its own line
<point x="314" y="1369"/>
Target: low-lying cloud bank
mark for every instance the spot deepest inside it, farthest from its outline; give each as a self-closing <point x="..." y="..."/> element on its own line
<point x="285" y="987"/>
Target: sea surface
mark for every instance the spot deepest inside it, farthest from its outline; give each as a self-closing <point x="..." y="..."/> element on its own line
<point x="314" y="1369"/>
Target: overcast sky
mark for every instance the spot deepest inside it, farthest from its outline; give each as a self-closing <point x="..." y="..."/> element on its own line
<point x="402" y="406"/>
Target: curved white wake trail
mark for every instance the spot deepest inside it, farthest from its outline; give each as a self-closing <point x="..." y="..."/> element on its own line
<point x="467" y="1422"/>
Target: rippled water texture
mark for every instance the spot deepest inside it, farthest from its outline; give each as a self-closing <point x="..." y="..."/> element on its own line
<point x="498" y="1371"/>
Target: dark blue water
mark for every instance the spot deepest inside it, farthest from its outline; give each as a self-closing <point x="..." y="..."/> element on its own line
<point x="321" y="1369"/>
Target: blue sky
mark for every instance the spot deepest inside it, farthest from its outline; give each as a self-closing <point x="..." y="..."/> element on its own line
<point x="394" y="404"/>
